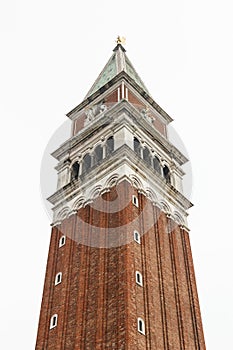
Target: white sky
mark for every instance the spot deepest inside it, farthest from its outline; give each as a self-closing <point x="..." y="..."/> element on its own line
<point x="51" y="53"/>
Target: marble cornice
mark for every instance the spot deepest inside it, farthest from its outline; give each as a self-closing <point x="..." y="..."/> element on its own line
<point x="123" y="155"/>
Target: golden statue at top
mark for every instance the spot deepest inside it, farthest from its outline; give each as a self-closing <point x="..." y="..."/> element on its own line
<point x="121" y="40"/>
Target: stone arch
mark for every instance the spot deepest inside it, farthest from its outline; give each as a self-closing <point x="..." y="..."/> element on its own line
<point x="165" y="207"/>
<point x="63" y="214"/>
<point x="77" y="159"/>
<point x="151" y="195"/>
<point x="95" y="192"/>
<point x="112" y="181"/>
<point x="136" y="182"/>
<point x="78" y="203"/>
<point x="178" y="218"/>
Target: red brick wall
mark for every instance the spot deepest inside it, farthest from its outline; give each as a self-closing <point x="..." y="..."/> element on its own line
<point x="98" y="301"/>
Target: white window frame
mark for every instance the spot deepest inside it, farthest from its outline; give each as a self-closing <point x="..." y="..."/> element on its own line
<point x="58" y="278"/>
<point x="140" y="280"/>
<point x="135" y="200"/>
<point x="62" y="241"/>
<point x="141" y="329"/>
<point x="137" y="237"/>
<point x="53" y="321"/>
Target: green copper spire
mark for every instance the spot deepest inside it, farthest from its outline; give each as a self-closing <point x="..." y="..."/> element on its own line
<point x="117" y="63"/>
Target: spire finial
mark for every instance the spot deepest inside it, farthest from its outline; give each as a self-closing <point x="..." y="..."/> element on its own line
<point x="121" y="40"/>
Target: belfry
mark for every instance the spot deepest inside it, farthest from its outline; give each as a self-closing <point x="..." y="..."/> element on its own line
<point x="120" y="272"/>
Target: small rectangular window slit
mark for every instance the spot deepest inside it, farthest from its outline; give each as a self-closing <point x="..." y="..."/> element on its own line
<point x="141" y="326"/>
<point x="53" y="321"/>
<point x="62" y="241"/>
<point x="58" y="278"/>
<point x="137" y="237"/>
<point x="135" y="200"/>
<point x="139" y="278"/>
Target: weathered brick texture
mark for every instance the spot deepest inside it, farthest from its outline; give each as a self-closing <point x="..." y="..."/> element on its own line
<point x="98" y="301"/>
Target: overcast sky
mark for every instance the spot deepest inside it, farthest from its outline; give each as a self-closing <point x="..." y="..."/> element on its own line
<point x="51" y="53"/>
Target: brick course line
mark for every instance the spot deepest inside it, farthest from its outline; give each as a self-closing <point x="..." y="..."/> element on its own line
<point x="162" y="296"/>
<point x="195" y="332"/>
<point x="176" y="288"/>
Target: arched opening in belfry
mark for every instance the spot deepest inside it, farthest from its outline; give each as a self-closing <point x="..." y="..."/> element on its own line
<point x="86" y="163"/>
<point x="98" y="154"/>
<point x="166" y="174"/>
<point x="109" y="145"/>
<point x="156" y="164"/>
<point x="146" y="155"/>
<point x="75" y="170"/>
<point x="137" y="146"/>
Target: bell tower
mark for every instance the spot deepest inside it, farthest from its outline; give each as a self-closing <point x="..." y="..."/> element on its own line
<point x="120" y="272"/>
